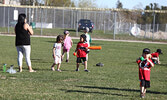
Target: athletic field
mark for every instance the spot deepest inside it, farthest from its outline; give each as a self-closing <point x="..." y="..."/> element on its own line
<point x="116" y="80"/>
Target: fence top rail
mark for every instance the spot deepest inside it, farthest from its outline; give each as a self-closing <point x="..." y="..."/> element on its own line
<point x="86" y="9"/>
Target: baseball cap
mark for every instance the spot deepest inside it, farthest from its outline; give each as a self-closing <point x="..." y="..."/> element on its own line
<point x="159" y="51"/>
<point x="66" y="32"/>
<point x="146" y="50"/>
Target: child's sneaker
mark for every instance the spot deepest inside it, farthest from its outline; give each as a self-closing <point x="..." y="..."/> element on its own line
<point x="142" y="95"/>
<point x="77" y="70"/>
<point x="86" y="70"/>
<point x="52" y="68"/>
<point x="58" y="70"/>
<point x="67" y="61"/>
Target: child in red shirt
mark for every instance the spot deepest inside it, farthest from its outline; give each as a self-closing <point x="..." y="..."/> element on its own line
<point x="145" y="63"/>
<point x="81" y="50"/>
<point x="155" y="56"/>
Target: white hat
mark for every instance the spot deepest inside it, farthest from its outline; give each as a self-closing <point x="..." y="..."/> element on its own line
<point x="87" y="29"/>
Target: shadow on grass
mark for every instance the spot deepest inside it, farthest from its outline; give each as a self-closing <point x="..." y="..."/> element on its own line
<point x="89" y="92"/>
<point x="119" y="89"/>
<point x="163" y="65"/>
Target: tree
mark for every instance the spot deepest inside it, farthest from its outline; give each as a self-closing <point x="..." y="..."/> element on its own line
<point x="119" y="5"/>
<point x="87" y="4"/>
<point x="27" y="2"/>
<point x="59" y="3"/>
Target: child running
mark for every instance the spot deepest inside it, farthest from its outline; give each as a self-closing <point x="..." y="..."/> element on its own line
<point x="81" y="50"/>
<point x="155" y="56"/>
<point x="67" y="45"/>
<point x="57" y="53"/>
<point x="145" y="63"/>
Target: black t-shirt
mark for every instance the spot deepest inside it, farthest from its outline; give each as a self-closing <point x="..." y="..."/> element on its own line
<point x="22" y="36"/>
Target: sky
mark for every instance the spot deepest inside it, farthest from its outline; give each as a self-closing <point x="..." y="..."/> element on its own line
<point x="129" y="4"/>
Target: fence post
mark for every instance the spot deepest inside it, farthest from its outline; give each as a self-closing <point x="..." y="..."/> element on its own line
<point x="104" y="26"/>
<point x="71" y="18"/>
<point x="63" y="18"/>
<point x="8" y="20"/>
<point x="54" y="18"/>
<point x="166" y="28"/>
<point x="157" y="27"/>
<point x="26" y="11"/>
<point x="115" y="18"/>
<point x="77" y="23"/>
<point x="153" y="26"/>
<point x="4" y="16"/>
<point x="145" y="31"/>
<point x="41" y="19"/>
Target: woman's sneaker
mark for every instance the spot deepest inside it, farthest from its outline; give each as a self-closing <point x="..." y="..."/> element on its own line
<point x="86" y="70"/>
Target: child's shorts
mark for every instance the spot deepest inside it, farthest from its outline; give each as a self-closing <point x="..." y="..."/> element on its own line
<point x="57" y="60"/>
<point x="66" y="50"/>
<point x="145" y="83"/>
<point x="79" y="60"/>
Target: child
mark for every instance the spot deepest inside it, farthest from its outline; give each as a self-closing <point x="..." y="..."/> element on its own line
<point x="145" y="63"/>
<point x="88" y="40"/>
<point x="67" y="45"/>
<point x="155" y="56"/>
<point x="81" y="50"/>
<point x="57" y="53"/>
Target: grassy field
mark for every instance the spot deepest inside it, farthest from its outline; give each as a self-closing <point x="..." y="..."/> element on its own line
<point x="116" y="80"/>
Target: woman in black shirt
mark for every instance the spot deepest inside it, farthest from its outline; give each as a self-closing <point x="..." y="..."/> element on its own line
<point x="23" y="32"/>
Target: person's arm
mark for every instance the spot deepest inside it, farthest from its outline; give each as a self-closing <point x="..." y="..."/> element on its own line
<point x="28" y="28"/>
<point x="53" y="52"/>
<point x="158" y="60"/>
<point x="151" y="63"/>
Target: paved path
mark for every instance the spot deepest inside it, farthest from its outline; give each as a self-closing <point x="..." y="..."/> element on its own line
<point x="96" y="39"/>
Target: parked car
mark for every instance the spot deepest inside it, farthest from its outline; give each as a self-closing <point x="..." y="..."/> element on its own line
<point x="83" y="23"/>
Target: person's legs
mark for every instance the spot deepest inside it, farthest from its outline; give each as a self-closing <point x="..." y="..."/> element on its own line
<point x="143" y="88"/>
<point x="52" y="67"/>
<point x="144" y="91"/>
<point x="87" y="57"/>
<point x="58" y="62"/>
<point x="62" y="55"/>
<point x="58" y="67"/>
<point x="85" y="65"/>
<point x="67" y="59"/>
<point x="77" y="67"/>
<point x="27" y="51"/>
<point x="78" y="61"/>
<point x="20" y="57"/>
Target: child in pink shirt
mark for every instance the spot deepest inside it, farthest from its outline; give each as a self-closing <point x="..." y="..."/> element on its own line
<point x="67" y="45"/>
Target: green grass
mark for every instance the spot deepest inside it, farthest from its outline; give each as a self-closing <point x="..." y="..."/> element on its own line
<point x="117" y="80"/>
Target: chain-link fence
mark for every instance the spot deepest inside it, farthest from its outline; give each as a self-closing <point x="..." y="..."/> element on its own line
<point x="107" y="21"/>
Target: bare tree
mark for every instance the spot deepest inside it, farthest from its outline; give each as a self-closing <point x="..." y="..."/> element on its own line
<point x="87" y="4"/>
